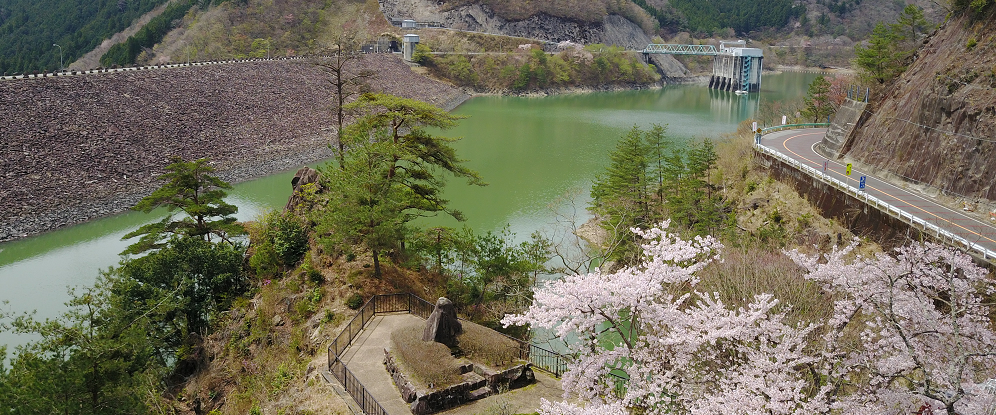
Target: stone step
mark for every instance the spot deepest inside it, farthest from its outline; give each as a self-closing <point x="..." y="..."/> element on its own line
<point x="476" y="381"/>
<point x="479" y="393"/>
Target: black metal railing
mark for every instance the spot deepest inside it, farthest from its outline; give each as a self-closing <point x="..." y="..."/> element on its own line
<point x="550" y="361"/>
<point x="338" y="368"/>
<point x="543" y="359"/>
<point x="355" y="388"/>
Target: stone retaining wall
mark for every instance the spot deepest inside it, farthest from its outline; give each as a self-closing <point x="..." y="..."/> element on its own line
<point x="857" y="216"/>
<point x="849" y="116"/>
<point x="487" y="383"/>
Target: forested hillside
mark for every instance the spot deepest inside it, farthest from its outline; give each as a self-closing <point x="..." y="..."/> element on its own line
<point x="29" y="28"/>
<point x="152" y="33"/>
<point x="743" y="16"/>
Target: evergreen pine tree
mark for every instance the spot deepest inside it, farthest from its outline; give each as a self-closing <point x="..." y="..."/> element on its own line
<point x="621" y="197"/>
<point x="817" y="102"/>
<point x="393" y="173"/>
<point x="881" y="61"/>
<point x="189" y="187"/>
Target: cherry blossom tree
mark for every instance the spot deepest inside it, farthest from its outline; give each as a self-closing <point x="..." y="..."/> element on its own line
<point x="909" y="332"/>
<point x="674" y="349"/>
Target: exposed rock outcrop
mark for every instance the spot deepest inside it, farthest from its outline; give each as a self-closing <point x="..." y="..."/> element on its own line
<point x="300" y="183"/>
<point x="613" y="30"/>
<point x="935" y="125"/>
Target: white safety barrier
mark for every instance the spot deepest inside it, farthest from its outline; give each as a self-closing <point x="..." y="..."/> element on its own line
<point x="162" y="66"/>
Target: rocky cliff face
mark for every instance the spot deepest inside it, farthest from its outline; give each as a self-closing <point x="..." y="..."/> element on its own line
<point x="613" y="30"/>
<point x="935" y="125"/>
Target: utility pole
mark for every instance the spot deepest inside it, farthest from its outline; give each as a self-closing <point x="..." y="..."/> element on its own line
<point x="60" y="56"/>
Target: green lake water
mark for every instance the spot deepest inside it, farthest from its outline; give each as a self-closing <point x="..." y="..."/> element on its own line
<point x="531" y="151"/>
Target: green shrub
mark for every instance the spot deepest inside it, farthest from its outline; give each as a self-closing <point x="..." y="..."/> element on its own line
<point x="290" y="239"/>
<point x="277" y="240"/>
<point x="971" y="43"/>
<point x="264" y="260"/>
<point x="314" y="276"/>
<point x="309" y="304"/>
<point x="354" y="301"/>
<point x="422" y="54"/>
<point x="329" y="317"/>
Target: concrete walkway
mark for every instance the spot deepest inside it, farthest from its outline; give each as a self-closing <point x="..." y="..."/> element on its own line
<point x="365" y="358"/>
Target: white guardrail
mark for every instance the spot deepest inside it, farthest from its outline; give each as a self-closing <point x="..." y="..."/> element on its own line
<point x="879" y="204"/>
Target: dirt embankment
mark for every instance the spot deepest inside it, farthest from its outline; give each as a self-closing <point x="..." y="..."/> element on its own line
<point x="936" y="125"/>
<point x="77" y="148"/>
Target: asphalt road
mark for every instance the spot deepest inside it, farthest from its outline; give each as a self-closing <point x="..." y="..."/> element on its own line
<point x="799" y="145"/>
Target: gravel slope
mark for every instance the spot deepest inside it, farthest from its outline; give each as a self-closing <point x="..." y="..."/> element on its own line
<point x="77" y="148"/>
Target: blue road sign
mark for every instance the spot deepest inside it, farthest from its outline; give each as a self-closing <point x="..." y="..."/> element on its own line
<point x="861" y="185"/>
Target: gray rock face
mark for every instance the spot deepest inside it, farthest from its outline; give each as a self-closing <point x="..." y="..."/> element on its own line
<point x="306" y="175"/>
<point x="442" y="325"/>
<point x="478" y="18"/>
<point x="613" y="30"/>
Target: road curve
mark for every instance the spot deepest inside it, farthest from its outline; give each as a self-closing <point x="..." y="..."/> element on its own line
<point x="799" y="145"/>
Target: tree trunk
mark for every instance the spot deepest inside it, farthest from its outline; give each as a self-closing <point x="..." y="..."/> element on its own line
<point x="376" y="258"/>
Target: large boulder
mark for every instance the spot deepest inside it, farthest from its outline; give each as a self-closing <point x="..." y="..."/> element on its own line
<point x="443" y="325"/>
<point x="302" y="179"/>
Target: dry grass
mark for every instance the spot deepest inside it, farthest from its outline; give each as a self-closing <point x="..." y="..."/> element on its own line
<point x="483" y="345"/>
<point x="750" y="271"/>
<point x="257" y="366"/>
<point x="294" y="27"/>
<point x="428" y="364"/>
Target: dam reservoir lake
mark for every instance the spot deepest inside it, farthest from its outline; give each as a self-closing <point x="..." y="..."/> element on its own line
<point x="532" y="152"/>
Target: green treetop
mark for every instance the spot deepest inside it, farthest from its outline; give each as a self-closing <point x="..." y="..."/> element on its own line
<point x="817" y="102"/>
<point x="393" y="173"/>
<point x="891" y="46"/>
<point x="191" y="188"/>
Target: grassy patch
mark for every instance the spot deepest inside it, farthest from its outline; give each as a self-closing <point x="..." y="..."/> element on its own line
<point x="483" y="345"/>
<point x="750" y="271"/>
<point x="426" y="363"/>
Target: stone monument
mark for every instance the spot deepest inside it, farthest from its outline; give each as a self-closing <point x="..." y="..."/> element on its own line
<point x="442" y="325"/>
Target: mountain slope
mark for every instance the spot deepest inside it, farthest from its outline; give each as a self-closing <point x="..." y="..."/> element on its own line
<point x="29" y="28"/>
<point x="935" y="125"/>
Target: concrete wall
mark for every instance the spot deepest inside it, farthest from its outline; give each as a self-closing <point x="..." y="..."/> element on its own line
<point x="853" y="213"/>
<point x="728" y="73"/>
<point x="841" y="132"/>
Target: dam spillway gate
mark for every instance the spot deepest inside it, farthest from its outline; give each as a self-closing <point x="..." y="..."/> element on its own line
<point x="735" y="67"/>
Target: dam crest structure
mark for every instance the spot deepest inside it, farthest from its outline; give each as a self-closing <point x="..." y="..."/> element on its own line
<point x="735" y="67"/>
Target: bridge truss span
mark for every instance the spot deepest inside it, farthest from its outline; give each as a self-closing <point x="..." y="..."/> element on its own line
<point x="668" y="49"/>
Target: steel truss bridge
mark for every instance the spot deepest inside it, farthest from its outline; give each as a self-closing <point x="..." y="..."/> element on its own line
<point x="662" y="49"/>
